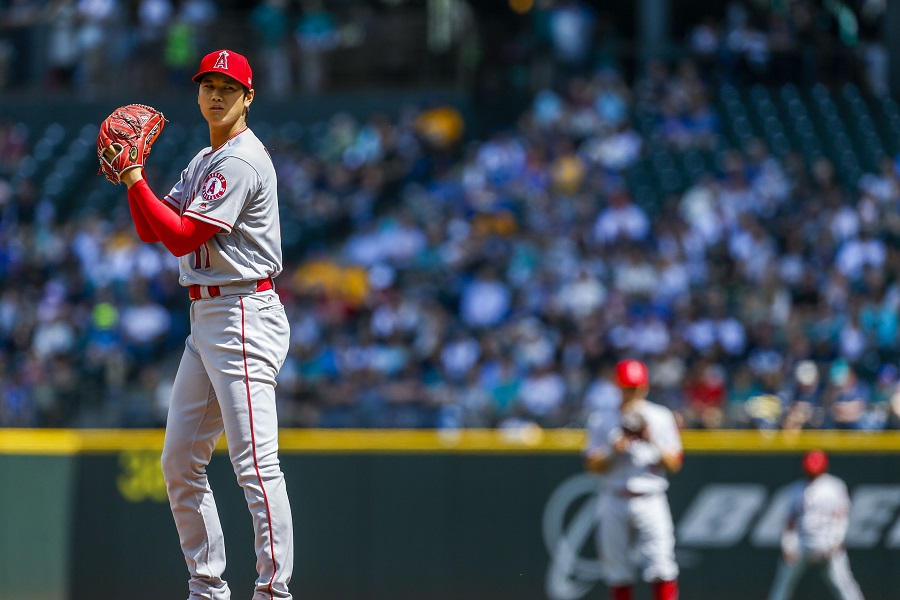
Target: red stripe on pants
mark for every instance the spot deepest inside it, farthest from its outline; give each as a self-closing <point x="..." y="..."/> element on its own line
<point x="255" y="461"/>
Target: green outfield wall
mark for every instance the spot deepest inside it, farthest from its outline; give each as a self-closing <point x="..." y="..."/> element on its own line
<point x="420" y="515"/>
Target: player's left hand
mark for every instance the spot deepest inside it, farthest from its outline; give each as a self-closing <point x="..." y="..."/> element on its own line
<point x="125" y="139"/>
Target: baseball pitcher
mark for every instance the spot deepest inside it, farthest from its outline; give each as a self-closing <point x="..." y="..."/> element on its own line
<point x="221" y="220"/>
<point x="635" y="449"/>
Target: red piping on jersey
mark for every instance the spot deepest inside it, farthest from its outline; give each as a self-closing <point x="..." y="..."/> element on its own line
<point x="255" y="461"/>
<point x="226" y="141"/>
<point x="207" y="218"/>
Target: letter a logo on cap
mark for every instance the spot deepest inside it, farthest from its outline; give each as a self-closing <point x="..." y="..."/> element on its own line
<point x="222" y="61"/>
<point x="228" y="63"/>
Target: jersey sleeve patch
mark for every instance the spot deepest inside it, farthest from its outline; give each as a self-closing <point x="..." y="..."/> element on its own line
<point x="214" y="186"/>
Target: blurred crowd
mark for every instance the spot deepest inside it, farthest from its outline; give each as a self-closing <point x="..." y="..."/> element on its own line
<point x="801" y="41"/>
<point x="97" y="47"/>
<point x="94" y="47"/>
<point x="492" y="281"/>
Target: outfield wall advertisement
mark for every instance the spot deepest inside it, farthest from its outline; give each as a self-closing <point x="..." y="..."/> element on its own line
<point x="425" y="518"/>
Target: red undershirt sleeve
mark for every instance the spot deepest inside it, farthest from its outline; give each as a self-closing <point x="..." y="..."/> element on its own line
<point x="141" y="225"/>
<point x="180" y="235"/>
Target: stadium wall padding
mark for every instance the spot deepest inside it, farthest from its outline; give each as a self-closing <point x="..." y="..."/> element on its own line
<point x="36" y="503"/>
<point x="424" y="516"/>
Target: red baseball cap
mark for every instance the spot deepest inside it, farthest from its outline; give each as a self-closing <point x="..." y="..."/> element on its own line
<point x="815" y="462"/>
<point x="631" y="373"/>
<point x="228" y="63"/>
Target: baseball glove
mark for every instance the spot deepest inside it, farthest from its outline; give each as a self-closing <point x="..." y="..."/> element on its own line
<point x="125" y="139"/>
<point x="633" y="425"/>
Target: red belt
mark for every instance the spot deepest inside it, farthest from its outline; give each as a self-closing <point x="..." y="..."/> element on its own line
<point x="196" y="291"/>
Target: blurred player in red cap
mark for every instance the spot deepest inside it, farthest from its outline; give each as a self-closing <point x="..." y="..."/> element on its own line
<point x="814" y="532"/>
<point x="635" y="449"/>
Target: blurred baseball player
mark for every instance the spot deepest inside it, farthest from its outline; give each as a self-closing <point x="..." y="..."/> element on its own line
<point x="814" y="532"/>
<point x="221" y="220"/>
<point x="635" y="448"/>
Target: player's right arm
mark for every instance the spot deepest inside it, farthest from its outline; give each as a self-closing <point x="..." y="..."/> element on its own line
<point x="141" y="224"/>
<point x="790" y="538"/>
<point x="604" y="445"/>
<point x="790" y="545"/>
<point x="179" y="234"/>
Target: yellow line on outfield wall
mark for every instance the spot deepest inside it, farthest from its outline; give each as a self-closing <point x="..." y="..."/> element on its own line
<point x="486" y="441"/>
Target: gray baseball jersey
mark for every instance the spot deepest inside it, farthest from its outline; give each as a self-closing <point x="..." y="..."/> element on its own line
<point x="820" y="513"/>
<point x="638" y="469"/>
<point x="226" y="380"/>
<point x="234" y="182"/>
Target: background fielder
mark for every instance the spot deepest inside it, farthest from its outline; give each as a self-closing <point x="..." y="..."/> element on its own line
<point x="221" y="219"/>
<point x="635" y="448"/>
<point x="814" y="532"/>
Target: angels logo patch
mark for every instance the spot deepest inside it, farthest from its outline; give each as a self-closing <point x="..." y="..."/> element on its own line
<point x="214" y="186"/>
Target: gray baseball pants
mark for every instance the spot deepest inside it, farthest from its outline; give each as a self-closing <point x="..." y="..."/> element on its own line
<point x="226" y="384"/>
